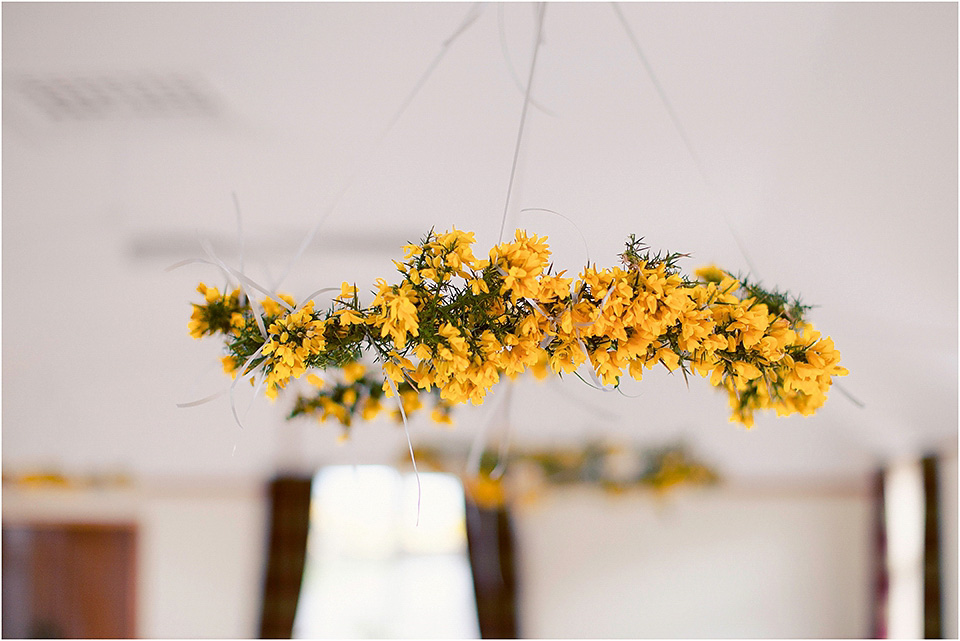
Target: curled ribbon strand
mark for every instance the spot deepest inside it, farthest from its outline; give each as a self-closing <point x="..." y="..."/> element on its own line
<point x="406" y="431"/>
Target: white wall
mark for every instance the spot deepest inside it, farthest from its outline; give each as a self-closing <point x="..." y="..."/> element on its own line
<point x="716" y="563"/>
<point x="200" y="550"/>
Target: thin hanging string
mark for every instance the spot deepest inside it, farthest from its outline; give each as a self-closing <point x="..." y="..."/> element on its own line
<point x="586" y="248"/>
<point x="477" y="447"/>
<point x="240" y="243"/>
<point x="501" y="466"/>
<point x="595" y="411"/>
<point x="509" y="62"/>
<point x="850" y="397"/>
<point x="406" y="431"/>
<point x="523" y="117"/>
<point x="671" y="112"/>
<point x="663" y="96"/>
<point x="476" y="450"/>
<point x="696" y="158"/>
<point x="468" y="20"/>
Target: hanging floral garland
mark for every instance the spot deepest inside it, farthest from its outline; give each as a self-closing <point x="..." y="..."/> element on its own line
<point x="614" y="469"/>
<point x="454" y="324"/>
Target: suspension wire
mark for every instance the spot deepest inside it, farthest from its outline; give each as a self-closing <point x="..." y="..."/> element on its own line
<point x="505" y="50"/>
<point x="471" y="17"/>
<point x="681" y="130"/>
<point x="696" y="157"/>
<point x="523" y="117"/>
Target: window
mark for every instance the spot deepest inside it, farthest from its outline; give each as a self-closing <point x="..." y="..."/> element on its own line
<point x="372" y="571"/>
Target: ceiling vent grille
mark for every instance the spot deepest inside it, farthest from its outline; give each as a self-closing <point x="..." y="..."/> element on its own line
<point x="132" y="95"/>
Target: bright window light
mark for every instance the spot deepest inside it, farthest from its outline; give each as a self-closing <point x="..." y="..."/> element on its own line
<point x="372" y="571"/>
<point x="905" y="534"/>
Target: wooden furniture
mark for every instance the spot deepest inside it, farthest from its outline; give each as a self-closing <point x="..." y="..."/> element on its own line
<point x="69" y="580"/>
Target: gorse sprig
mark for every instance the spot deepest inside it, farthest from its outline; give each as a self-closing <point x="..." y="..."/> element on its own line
<point x="217" y="315"/>
<point x="637" y="254"/>
<point x="360" y="395"/>
<point x="454" y="324"/>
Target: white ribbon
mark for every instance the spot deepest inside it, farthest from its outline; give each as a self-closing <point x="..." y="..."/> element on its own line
<point x="501" y="466"/>
<point x="261" y="378"/>
<point x="242" y="375"/>
<point x="406" y="430"/>
<point x="586" y="249"/>
<point x="476" y="447"/>
<point x="228" y="271"/>
<point x="205" y="399"/>
<point x="317" y="293"/>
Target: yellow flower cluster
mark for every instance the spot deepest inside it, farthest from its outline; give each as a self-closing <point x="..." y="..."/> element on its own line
<point x="292" y="340"/>
<point x="455" y="323"/>
<point x="611" y="468"/>
<point x="358" y="394"/>
<point x="674" y="468"/>
<point x="396" y="315"/>
<point x="217" y="312"/>
<point x="770" y="361"/>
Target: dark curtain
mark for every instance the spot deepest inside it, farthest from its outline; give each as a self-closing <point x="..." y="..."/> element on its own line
<point x="931" y="552"/>
<point x="490" y="544"/>
<point x="932" y="606"/>
<point x="881" y="581"/>
<point x="289" y="523"/>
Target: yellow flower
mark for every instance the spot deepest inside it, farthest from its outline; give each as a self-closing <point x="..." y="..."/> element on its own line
<point x="439" y="416"/>
<point x="371" y="407"/>
<point x="746" y="370"/>
<point x="423" y="352"/>
<point x="539" y="369"/>
<point x="710" y="274"/>
<point x="554" y="287"/>
<point x="397" y="317"/>
<point x="229" y="365"/>
<point x="293" y="339"/>
<point x="349" y="317"/>
<point x="485" y="491"/>
<point x="272" y="308"/>
<point x="669" y="359"/>
<point x="522" y="263"/>
<point x="210" y="294"/>
<point x="353" y="372"/>
<point x="197" y="326"/>
<point x="478" y="285"/>
<point x="411" y="401"/>
<point x="347" y="291"/>
<point x="394" y="372"/>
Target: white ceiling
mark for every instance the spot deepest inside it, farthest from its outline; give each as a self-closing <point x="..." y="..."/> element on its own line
<point x="827" y="132"/>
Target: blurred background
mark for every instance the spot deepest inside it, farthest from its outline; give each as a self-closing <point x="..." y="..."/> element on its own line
<point x="811" y="145"/>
